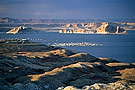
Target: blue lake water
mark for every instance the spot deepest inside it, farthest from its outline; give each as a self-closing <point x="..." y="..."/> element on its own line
<point x="119" y="47"/>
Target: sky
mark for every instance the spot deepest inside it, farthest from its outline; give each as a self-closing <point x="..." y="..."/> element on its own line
<point x="68" y="9"/>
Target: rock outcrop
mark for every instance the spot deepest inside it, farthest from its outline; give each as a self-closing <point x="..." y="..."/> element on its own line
<point x="93" y="25"/>
<point x="94" y="28"/>
<point x="75" y="25"/>
<point x="25" y="65"/>
<point x="19" y="29"/>
<point x="102" y="86"/>
<point x="107" y="28"/>
<point x="16" y="30"/>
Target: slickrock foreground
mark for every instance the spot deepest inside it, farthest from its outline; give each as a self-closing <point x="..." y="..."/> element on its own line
<point x="25" y="65"/>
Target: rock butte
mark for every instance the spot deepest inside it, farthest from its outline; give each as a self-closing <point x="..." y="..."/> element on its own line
<point x="108" y="28"/>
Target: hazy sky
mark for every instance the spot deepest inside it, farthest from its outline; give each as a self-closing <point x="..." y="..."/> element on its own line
<point x="68" y="9"/>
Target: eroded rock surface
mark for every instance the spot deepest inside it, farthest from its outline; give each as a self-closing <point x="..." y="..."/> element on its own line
<point x="109" y="28"/>
<point x="26" y="65"/>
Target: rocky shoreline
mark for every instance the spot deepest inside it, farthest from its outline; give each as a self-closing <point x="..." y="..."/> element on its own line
<point x="26" y="65"/>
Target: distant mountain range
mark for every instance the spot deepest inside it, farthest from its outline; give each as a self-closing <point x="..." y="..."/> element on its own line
<point x="12" y="20"/>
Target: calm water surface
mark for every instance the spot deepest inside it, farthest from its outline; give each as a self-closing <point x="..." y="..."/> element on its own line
<point x="119" y="47"/>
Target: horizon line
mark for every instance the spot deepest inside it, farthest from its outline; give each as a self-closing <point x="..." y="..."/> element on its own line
<point x="76" y="18"/>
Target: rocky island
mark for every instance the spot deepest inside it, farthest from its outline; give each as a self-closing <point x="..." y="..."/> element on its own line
<point x="20" y="29"/>
<point x="25" y="65"/>
<point x="94" y="28"/>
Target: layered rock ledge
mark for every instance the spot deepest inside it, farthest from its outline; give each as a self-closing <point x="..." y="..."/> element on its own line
<point x="25" y="65"/>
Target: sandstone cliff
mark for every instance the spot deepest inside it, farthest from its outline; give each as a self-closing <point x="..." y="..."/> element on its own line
<point x="110" y="28"/>
<point x="16" y="30"/>
<point x="20" y="29"/>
